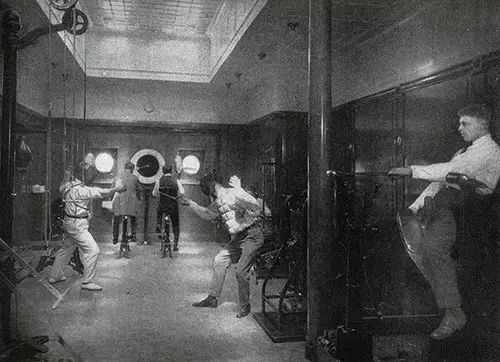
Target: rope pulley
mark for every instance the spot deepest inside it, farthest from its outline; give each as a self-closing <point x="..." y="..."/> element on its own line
<point x="75" y="25"/>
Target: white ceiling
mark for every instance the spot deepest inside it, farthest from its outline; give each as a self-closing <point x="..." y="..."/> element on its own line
<point x="273" y="46"/>
<point x="274" y="37"/>
<point x="181" y="17"/>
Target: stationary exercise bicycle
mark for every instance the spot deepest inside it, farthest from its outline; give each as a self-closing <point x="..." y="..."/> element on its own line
<point x="166" y="244"/>
<point x="126" y="238"/>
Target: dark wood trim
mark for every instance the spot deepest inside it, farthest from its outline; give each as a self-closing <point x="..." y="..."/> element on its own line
<point x="28" y="120"/>
<point x="111" y="126"/>
<point x="107" y="125"/>
<point x="478" y="63"/>
<point x="276" y="115"/>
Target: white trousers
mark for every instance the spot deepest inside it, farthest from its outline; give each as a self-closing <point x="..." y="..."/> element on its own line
<point x="89" y="252"/>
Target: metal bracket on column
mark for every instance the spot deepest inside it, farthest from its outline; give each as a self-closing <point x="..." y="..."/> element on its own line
<point x="76" y="23"/>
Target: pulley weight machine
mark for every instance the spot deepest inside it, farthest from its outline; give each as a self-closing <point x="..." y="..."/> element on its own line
<point x="353" y="340"/>
<point x="73" y="21"/>
<point x="283" y="260"/>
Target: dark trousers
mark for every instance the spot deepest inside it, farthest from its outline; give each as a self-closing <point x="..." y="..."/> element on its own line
<point x="174" y="219"/>
<point x="117" y="220"/>
<point x="241" y="250"/>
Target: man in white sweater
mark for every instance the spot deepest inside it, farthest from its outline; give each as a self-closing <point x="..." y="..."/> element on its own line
<point x="240" y="213"/>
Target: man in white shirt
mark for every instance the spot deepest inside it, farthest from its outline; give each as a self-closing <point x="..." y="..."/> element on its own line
<point x="77" y="199"/>
<point x="433" y="235"/>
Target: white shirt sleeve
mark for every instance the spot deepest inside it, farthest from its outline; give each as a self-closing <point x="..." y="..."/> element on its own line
<point x="156" y="189"/>
<point x="119" y="183"/>
<point x="208" y="213"/>
<point x="481" y="161"/>
<point x="431" y="191"/>
<point x="181" y="188"/>
<point x="93" y="192"/>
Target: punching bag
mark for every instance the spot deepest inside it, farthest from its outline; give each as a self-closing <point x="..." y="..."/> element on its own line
<point x="23" y="155"/>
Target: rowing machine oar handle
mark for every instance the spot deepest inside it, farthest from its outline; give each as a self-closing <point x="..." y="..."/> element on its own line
<point x="60" y="298"/>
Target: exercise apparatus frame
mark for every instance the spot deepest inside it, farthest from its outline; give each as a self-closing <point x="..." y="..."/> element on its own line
<point x="354" y="336"/>
<point x="279" y="324"/>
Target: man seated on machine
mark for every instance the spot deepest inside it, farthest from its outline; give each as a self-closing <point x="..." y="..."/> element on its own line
<point x="240" y="213"/>
<point x="77" y="199"/>
<point x="429" y="228"/>
<point x="169" y="188"/>
<point x="126" y="204"/>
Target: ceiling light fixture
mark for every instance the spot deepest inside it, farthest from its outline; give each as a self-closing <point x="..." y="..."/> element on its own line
<point x="292" y="25"/>
<point x="148" y="107"/>
<point x="262" y="55"/>
<point x="238" y="75"/>
<point x="228" y="85"/>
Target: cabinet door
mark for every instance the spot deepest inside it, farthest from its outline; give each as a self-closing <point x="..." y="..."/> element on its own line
<point x="431" y="124"/>
<point x="376" y="134"/>
<point x="29" y="208"/>
<point x="493" y="97"/>
<point x="377" y="148"/>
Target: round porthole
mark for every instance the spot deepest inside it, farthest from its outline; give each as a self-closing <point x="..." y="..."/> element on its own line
<point x="148" y="165"/>
<point x="104" y="162"/>
<point x="191" y="165"/>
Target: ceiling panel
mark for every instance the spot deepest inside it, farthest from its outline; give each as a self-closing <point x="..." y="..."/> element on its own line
<point x="183" y="17"/>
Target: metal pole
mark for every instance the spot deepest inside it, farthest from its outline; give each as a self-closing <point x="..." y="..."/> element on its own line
<point x="10" y="43"/>
<point x="321" y="250"/>
<point x="147" y="190"/>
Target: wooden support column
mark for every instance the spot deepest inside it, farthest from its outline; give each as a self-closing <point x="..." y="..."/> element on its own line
<point x="321" y="251"/>
<point x="10" y="44"/>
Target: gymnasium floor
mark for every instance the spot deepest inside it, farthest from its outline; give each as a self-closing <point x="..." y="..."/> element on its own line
<point x="144" y="312"/>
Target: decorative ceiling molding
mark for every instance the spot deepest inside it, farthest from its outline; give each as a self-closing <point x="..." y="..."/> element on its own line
<point x="144" y="74"/>
<point x="228" y="27"/>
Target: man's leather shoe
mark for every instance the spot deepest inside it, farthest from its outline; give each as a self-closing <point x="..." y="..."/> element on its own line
<point x="208" y="302"/>
<point x="244" y="311"/>
<point x="54" y="281"/>
<point x="91" y="286"/>
<point x="115" y="241"/>
<point x="449" y="325"/>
